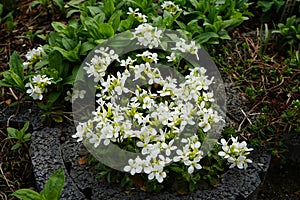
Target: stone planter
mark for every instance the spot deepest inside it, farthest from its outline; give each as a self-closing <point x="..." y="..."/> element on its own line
<point x="53" y="148"/>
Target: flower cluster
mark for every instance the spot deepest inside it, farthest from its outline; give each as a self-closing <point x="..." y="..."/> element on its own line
<point x="150" y="120"/>
<point x="171" y="7"/>
<point x="37" y="86"/>
<point x="235" y="153"/>
<point x="161" y="116"/>
<point x="191" y="48"/>
<point x="147" y="35"/>
<point x="99" y="63"/>
<point x="33" y="56"/>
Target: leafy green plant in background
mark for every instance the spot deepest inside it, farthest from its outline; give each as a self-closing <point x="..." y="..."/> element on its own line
<point x="274" y="10"/>
<point x="91" y="22"/>
<point x="52" y="189"/>
<point x="289" y="33"/>
<point x="20" y="135"/>
<point x="208" y="22"/>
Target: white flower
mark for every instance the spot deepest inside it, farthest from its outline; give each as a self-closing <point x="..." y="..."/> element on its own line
<point x="157" y="173"/>
<point x="34" y="91"/>
<point x="148" y="103"/>
<point x="225" y="148"/>
<point x="235" y="153"/>
<point x="131" y="11"/>
<point x="172" y="57"/>
<point x="205" y="124"/>
<point x="38" y="79"/>
<point x="128" y="62"/>
<point x="241" y="162"/>
<point x="134" y="166"/>
<point x="183" y="154"/>
<point x="169" y="147"/>
<point x="138" y="16"/>
<point x="35" y="54"/>
<point x="193" y="164"/>
<point x="26" y="65"/>
<point x="37" y="86"/>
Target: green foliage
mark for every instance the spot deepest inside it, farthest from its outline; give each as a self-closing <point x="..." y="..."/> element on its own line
<point x="20" y="135"/>
<point x="274" y="5"/>
<point x="30" y="35"/>
<point x="52" y="189"/>
<point x="212" y="20"/>
<point x="15" y="75"/>
<point x="272" y="10"/>
<point x="49" y="4"/>
<point x="289" y="32"/>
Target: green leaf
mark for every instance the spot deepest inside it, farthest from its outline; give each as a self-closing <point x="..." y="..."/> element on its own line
<point x="15" y="146"/>
<point x="41" y="64"/>
<point x="109" y="7"/>
<point x="34" y="3"/>
<point x="181" y="24"/>
<point x="53" y="187"/>
<point x="125" y="25"/>
<point x="18" y="81"/>
<point x="106" y="30"/>
<point x="7" y="77"/>
<point x="176" y="169"/>
<point x="26" y="194"/>
<point x="12" y="132"/>
<point x="86" y="47"/>
<point x="27" y="137"/>
<point x="3" y="83"/>
<point x="72" y="55"/>
<point x="96" y="28"/>
<point x="58" y="26"/>
<point x="114" y="20"/>
<point x="68" y="44"/>
<point x="204" y="37"/>
<point x="25" y="127"/>
<point x="16" y="65"/>
<point x="94" y="10"/>
<point x="60" y="4"/>
<point x="53" y="96"/>
<point x="55" y="61"/>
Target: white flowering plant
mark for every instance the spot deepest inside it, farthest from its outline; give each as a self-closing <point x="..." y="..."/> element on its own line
<point x="163" y="117"/>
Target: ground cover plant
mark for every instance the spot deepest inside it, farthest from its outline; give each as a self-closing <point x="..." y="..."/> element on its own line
<point x="45" y="73"/>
